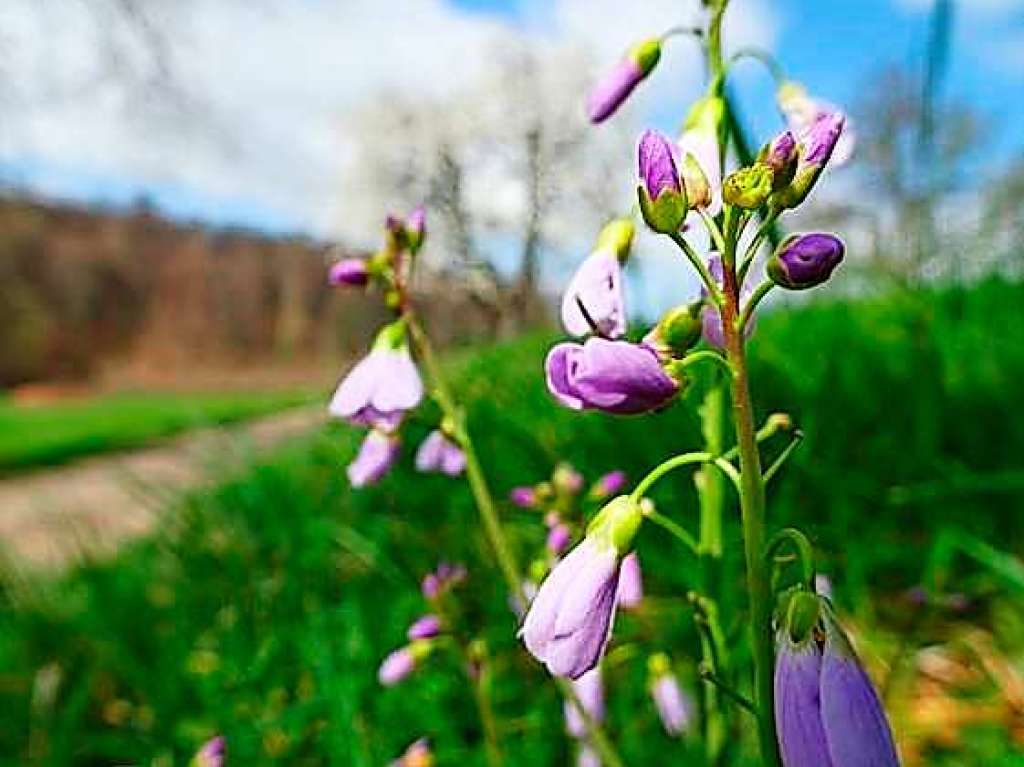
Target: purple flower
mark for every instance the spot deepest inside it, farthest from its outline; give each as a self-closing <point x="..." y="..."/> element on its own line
<point x="590" y="694"/>
<point x="425" y="627"/>
<point x="801" y="111"/>
<point x="376" y="456"/>
<point x="711" y="319"/>
<point x="587" y="757"/>
<point x="438" y="453"/>
<point x="431" y="586"/>
<point x="614" y="376"/>
<point x="444" y="577"/>
<point x="780" y="154"/>
<point x="558" y="538"/>
<point x="348" y="271"/>
<point x="416" y="228"/>
<point x="523" y="497"/>
<point x="213" y="753"/>
<point x="593" y="301"/>
<point x="402" y="662"/>
<point x="817" y="144"/>
<point x="616" y="86"/>
<point x="661" y="196"/>
<point x="570" y="620"/>
<point x="805" y="260"/>
<point x="610" y="484"/>
<point x="826" y="710"/>
<point x="382" y="386"/>
<point x="675" y="708"/>
<point x="631" y="584"/>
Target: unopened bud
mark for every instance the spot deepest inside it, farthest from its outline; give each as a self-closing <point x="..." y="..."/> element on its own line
<point x="780" y="154"/>
<point x="695" y="183"/>
<point x="748" y="188"/>
<point x="805" y="260"/>
<point x="802" y="616"/>
<point x="676" y="331"/>
<point x="616" y="86"/>
<point x="618" y="522"/>
<point x="661" y="195"/>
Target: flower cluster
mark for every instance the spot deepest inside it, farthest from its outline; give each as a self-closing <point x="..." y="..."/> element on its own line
<point x="385" y="385"/>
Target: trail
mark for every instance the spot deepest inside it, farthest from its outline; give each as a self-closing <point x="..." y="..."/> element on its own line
<point x="52" y="518"/>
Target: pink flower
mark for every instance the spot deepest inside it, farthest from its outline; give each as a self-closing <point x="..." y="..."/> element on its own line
<point x="631" y="585"/>
<point x="438" y="453"/>
<point x="593" y="301"/>
<point x="590" y="693"/>
<point x="376" y="456"/>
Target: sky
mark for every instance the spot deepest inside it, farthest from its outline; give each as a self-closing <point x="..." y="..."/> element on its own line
<point x="271" y="84"/>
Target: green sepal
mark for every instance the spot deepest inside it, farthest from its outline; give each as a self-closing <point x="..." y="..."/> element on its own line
<point x="666" y="214"/>
<point x="748" y="188"/>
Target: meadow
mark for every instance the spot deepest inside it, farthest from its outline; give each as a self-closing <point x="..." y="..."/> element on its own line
<point x="264" y="607"/>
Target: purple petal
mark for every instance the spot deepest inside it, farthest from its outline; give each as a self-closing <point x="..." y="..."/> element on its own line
<point x="213" y="753"/>
<point x="631" y="585"/>
<point x="597" y="285"/>
<point x="590" y="693"/>
<point x="560" y="361"/>
<point x="429" y="453"/>
<point x="657" y="166"/>
<point x="675" y="709"/>
<point x="396" y="667"/>
<point x="539" y="626"/>
<point x="399" y="386"/>
<point x="424" y="627"/>
<point x="453" y="459"/>
<point x="613" y="89"/>
<point x="615" y="376"/>
<point x="801" y="736"/>
<point x="376" y="456"/>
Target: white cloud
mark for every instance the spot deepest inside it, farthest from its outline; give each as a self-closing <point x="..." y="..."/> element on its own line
<point x="277" y="82"/>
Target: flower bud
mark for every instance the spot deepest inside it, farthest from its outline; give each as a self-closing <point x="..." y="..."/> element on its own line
<point x="662" y="199"/>
<point x="213" y="753"/>
<point x="676" y="331"/>
<point x="616" y="86"/>
<point x="523" y="497"/>
<point x="558" y="538"/>
<point x="803" y="612"/>
<point x="424" y="627"/>
<point x="695" y="183"/>
<point x="566" y="479"/>
<point x="780" y="154"/>
<point x="416" y="229"/>
<point x="816" y="146"/>
<point x="610" y="484"/>
<point x="617" y="522"/>
<point x="805" y="260"/>
<point x="748" y="188"/>
<point x="348" y="271"/>
<point x="617" y="237"/>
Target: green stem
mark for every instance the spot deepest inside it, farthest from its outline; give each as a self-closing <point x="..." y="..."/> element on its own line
<point x="663" y="468"/>
<point x="803" y="547"/>
<point x="708" y="355"/>
<point x="767" y="225"/>
<point x="758" y="295"/>
<point x="752" y="507"/>
<point x="698" y="263"/>
<point x="675" y="529"/>
<point x="778" y="462"/>
<point x="483" y="704"/>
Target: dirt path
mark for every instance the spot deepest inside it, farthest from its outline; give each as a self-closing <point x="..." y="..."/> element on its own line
<point x="49" y="519"/>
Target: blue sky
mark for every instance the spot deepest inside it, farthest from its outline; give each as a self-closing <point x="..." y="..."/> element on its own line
<point x="833" y="47"/>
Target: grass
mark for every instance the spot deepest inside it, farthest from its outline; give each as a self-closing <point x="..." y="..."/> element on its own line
<point x="33" y="436"/>
<point x="264" y="608"/>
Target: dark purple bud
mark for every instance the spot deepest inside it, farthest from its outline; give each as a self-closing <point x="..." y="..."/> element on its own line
<point x="524" y="497"/>
<point x="424" y="627"/>
<point x="213" y="753"/>
<point x="805" y="260"/>
<point x="614" y="376"/>
<point x="348" y="271"/>
<point x="590" y="694"/>
<point x="615" y="87"/>
<point x="376" y="456"/>
<point x="662" y="200"/>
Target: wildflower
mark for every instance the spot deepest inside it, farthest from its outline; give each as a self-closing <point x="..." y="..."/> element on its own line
<point x="416" y="228"/>
<point x="425" y="627"/>
<point x="523" y="497"/>
<point x="616" y="86"/>
<point x="700" y="140"/>
<point x="590" y="694"/>
<point x="382" y="386"/>
<point x="593" y="301"/>
<point x="816" y="146"/>
<point x="376" y="456"/>
<point x="444" y="577"/>
<point x="609" y="484"/>
<point x="438" y="453"/>
<point x="213" y="753"/>
<point x="662" y="198"/>
<point x="418" y="754"/>
<point x="558" y="538"/>
<point x="570" y="620"/>
<point x="614" y="376"/>
<point x="566" y="479"/>
<point x="805" y="260"/>
<point x="402" y="662"/>
<point x="348" y="271"/>
<point x="675" y="708"/>
<point x="801" y="111"/>
<point x="826" y="710"/>
<point x="780" y="154"/>
<point x="631" y="583"/>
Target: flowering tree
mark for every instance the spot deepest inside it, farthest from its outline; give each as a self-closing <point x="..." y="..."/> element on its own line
<point x="803" y="690"/>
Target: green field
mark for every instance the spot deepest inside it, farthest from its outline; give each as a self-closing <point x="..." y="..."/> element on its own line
<point x="264" y="610"/>
<point x="45" y="435"/>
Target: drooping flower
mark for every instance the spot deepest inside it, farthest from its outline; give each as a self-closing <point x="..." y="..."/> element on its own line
<point x="805" y="260"/>
<point x="661" y="195"/>
<point x="375" y="458"/>
<point x="675" y="708"/>
<point x="711" y="319"/>
<point x="418" y="754"/>
<point x="589" y="691"/>
<point x="801" y="111"/>
<point x="425" y="627"/>
<point x="401" y="662"/>
<point x="827" y="712"/>
<point x="570" y="620"/>
<point x="438" y="453"/>
<point x="701" y="141"/>
<point x="348" y="271"/>
<point x="616" y="86"/>
<point x="631" y="583"/>
<point x="213" y="753"/>
<point x="593" y="301"/>
<point x="613" y="376"/>
<point x="817" y="144"/>
<point x="382" y="386"/>
<point x="610" y="484"/>
<point x="524" y="497"/>
<point x="444" y="577"/>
